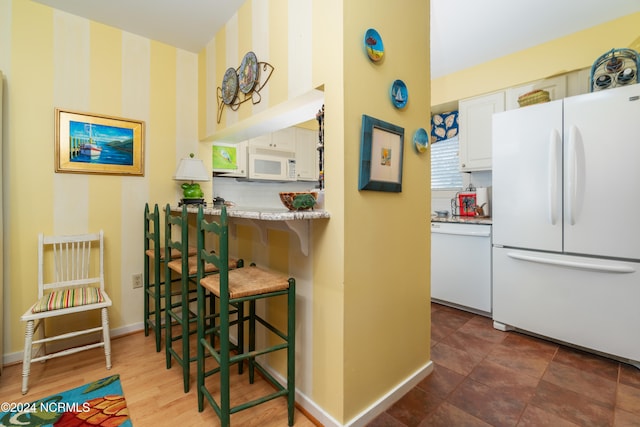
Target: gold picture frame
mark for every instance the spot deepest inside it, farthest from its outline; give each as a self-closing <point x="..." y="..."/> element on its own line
<point x="94" y="143"/>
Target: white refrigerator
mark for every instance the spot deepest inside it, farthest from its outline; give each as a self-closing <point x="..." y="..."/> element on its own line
<point x="566" y="236"/>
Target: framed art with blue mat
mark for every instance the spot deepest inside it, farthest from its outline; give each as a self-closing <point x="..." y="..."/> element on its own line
<point x="100" y="403"/>
<point x="381" y="156"/>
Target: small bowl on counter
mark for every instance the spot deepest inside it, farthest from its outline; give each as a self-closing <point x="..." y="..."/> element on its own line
<point x="299" y="200"/>
<point x="442" y="214"/>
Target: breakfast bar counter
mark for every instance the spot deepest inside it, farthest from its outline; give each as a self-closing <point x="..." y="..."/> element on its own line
<point x="266" y="218"/>
<point x="259" y="213"/>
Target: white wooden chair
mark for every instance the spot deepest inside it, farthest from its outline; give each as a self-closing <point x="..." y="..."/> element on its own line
<point x="74" y="283"/>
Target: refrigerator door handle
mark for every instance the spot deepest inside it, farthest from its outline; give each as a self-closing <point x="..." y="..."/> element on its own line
<point x="572" y="171"/>
<point x="610" y="268"/>
<point x="554" y="144"/>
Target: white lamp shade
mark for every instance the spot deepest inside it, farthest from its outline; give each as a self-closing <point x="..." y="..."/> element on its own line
<point x="191" y="170"/>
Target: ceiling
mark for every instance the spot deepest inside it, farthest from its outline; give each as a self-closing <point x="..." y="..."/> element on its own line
<point x="187" y="24"/>
<point x="463" y="32"/>
<point x="469" y="32"/>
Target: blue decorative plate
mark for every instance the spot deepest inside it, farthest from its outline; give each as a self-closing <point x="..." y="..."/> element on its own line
<point x="248" y="72"/>
<point x="399" y="94"/>
<point x="373" y="45"/>
<point x="421" y="140"/>
<point x="229" y="86"/>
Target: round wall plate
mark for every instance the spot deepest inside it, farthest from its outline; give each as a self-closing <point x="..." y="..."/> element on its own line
<point x="421" y="140"/>
<point x="399" y="94"/>
<point x="248" y="72"/>
<point x="373" y="45"/>
<point x="229" y="86"/>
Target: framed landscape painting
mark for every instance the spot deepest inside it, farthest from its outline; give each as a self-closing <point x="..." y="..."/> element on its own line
<point x="92" y="143"/>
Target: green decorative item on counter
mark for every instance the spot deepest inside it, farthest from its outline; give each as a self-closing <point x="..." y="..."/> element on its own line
<point x="304" y="201"/>
<point x="192" y="191"/>
<point x="297" y="201"/>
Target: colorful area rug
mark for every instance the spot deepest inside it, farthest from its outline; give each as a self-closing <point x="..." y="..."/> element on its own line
<point x="100" y="403"/>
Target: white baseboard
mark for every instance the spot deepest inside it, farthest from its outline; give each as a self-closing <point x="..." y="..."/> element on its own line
<point x="386" y="401"/>
<point x="369" y="414"/>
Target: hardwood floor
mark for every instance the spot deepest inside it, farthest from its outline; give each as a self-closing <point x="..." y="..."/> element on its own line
<point x="154" y="394"/>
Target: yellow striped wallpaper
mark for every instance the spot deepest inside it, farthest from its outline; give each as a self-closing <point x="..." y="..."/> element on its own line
<point x="58" y="60"/>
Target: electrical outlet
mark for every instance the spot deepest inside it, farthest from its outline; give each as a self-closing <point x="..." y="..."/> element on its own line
<point x="136" y="280"/>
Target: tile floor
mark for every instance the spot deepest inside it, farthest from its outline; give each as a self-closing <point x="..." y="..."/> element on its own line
<point x="485" y="377"/>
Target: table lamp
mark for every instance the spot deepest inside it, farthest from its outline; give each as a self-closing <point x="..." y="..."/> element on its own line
<point x="191" y="169"/>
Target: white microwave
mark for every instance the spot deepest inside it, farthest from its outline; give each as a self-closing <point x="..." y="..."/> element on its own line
<point x="271" y="164"/>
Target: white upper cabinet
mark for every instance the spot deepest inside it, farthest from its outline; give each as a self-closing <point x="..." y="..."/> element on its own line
<point x="475" y="117"/>
<point x="282" y="140"/>
<point x="556" y="86"/>
<point x="579" y="82"/>
<point x="307" y="156"/>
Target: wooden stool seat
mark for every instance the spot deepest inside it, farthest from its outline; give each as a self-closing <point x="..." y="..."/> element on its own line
<point x="248" y="281"/>
<point x="174" y="253"/>
<point x="176" y="265"/>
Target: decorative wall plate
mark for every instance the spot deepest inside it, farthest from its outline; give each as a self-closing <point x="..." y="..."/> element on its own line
<point x="399" y="94"/>
<point x="229" y="86"/>
<point x="618" y="67"/>
<point x="248" y="75"/>
<point x="373" y="45"/>
<point x="421" y="140"/>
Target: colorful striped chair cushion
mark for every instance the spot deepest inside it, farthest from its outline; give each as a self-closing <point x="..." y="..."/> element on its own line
<point x="66" y="298"/>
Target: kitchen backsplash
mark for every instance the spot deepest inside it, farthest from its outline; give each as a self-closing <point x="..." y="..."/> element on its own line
<point x="262" y="194"/>
<point x="441" y="199"/>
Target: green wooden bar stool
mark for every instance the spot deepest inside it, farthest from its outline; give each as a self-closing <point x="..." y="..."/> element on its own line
<point x="234" y="288"/>
<point x="154" y="256"/>
<point x="178" y="312"/>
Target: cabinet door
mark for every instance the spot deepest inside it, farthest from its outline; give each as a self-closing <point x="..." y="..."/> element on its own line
<point x="284" y="140"/>
<point x="475" y="115"/>
<point x="579" y="82"/>
<point x="262" y="141"/>
<point x="306" y="155"/>
<point x="556" y="86"/>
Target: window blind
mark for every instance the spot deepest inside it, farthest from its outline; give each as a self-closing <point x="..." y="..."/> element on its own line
<point x="445" y="168"/>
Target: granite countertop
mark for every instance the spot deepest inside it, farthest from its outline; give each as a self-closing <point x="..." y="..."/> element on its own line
<point x="463" y="219"/>
<point x="266" y="214"/>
